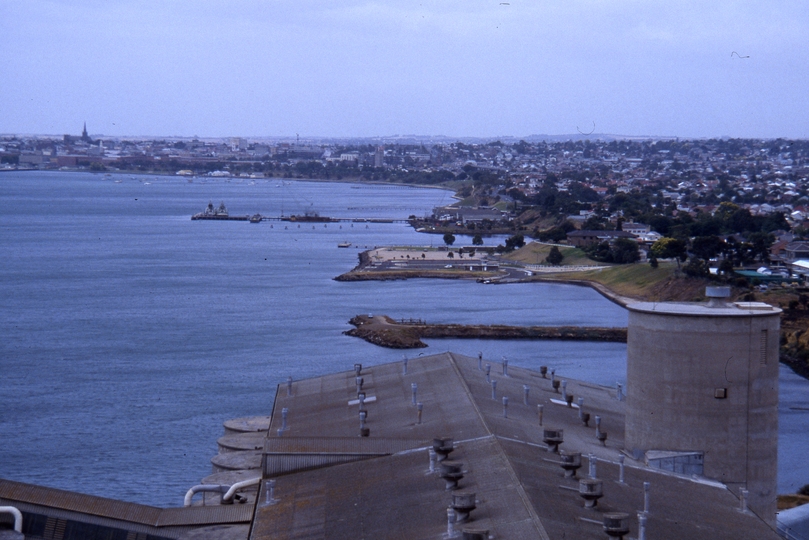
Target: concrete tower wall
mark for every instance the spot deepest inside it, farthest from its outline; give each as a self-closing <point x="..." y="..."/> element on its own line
<point x="703" y="379"/>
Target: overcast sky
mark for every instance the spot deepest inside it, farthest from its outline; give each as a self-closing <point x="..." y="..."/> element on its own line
<point x="252" y="68"/>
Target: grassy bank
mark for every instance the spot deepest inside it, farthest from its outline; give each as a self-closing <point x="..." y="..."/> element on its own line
<point x="636" y="281"/>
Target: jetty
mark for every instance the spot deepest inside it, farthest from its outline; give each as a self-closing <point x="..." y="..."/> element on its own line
<point x="408" y="334"/>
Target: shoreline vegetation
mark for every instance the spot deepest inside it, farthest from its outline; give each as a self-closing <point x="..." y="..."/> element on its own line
<point x="622" y="284"/>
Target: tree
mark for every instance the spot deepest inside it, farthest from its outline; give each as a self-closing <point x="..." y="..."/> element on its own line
<point x="515" y="242"/>
<point x="625" y="251"/>
<point x="451" y="255"/>
<point x="599" y="252"/>
<point x="449" y="239"/>
<point x="477" y="240"/>
<point x="670" y="248"/>
<point x="726" y="267"/>
<point x="696" y="267"/>
<point x="706" y="247"/>
<point x="761" y="243"/>
<point x="555" y="256"/>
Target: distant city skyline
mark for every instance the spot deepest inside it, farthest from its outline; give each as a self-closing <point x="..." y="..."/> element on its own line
<point x="362" y="69"/>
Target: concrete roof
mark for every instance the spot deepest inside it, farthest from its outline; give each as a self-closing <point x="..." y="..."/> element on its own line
<point x="736" y="309"/>
<point x="384" y="488"/>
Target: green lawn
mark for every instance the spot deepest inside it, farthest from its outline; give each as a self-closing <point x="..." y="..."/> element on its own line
<point x="535" y="253"/>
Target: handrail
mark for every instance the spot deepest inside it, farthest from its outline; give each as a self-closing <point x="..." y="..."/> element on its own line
<point x="17" y="516"/>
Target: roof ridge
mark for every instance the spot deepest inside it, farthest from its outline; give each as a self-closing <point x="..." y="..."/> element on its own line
<point x="515" y="481"/>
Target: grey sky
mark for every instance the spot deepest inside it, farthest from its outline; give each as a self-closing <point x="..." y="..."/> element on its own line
<point x="355" y="68"/>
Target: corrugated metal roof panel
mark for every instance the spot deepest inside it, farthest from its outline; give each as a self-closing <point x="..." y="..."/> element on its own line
<point x="78" y="502"/>
<point x="100" y="507"/>
<point x="205" y="515"/>
<point x="341" y="445"/>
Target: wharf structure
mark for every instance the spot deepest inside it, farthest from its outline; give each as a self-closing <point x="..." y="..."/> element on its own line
<point x="451" y="446"/>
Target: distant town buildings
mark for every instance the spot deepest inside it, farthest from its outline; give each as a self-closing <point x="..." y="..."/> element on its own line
<point x="683" y="176"/>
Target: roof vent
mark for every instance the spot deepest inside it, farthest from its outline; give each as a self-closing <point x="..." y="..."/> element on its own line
<point x="463" y="502"/>
<point x="591" y="489"/>
<point x="616" y="524"/>
<point x="451" y="472"/>
<point x="553" y="438"/>
<point x="570" y="462"/>
<point x="717" y="296"/>
<point x="475" y="534"/>
<point x="443" y="446"/>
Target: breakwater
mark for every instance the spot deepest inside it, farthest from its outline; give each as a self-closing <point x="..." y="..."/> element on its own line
<point x="386" y="332"/>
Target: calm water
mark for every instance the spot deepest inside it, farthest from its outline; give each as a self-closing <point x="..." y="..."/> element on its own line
<point x="130" y="333"/>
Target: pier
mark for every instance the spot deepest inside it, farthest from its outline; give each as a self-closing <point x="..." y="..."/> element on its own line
<point x="295" y="219"/>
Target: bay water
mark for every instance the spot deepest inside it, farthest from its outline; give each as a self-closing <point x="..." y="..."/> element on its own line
<point x="130" y="332"/>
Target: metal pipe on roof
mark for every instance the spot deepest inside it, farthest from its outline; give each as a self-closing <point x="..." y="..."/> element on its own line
<point x="270" y="493"/>
<point x="525" y="391"/>
<point x="621" y="469"/>
<point x="419" y="408"/>
<point x="210" y="488"/>
<point x="641" y="526"/>
<point x="505" y="406"/>
<point x="505" y="367"/>
<point x="17" y="516"/>
<point x="414" y="388"/>
<point x="494" y="389"/>
<point x="450" y="522"/>
<point x="646" y="486"/>
<point x="743" y="500"/>
<point x="239" y="485"/>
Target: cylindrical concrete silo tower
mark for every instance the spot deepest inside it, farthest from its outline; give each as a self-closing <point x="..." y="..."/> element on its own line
<point x="702" y="392"/>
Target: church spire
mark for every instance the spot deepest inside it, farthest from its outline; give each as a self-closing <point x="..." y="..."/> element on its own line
<point x="84" y="136"/>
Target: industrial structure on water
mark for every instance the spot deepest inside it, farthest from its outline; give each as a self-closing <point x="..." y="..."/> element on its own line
<point x="448" y="446"/>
